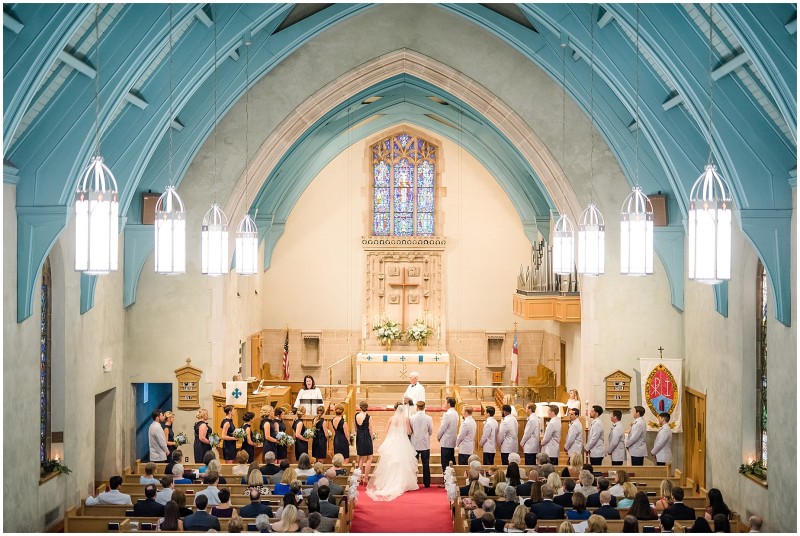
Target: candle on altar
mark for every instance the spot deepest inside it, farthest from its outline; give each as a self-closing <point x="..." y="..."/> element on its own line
<point x="364" y="330"/>
<point x="438" y="331"/>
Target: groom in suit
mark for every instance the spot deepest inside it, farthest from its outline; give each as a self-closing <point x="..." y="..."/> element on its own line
<point x="421" y="432"/>
<point x="448" y="429"/>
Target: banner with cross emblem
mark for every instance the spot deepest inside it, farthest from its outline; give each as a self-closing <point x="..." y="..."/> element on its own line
<point x="236" y="393"/>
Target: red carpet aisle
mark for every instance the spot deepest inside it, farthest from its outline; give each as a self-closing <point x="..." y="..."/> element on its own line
<point x="424" y="510"/>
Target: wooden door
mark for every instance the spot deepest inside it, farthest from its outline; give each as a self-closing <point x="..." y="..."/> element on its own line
<point x="694" y="435"/>
<point x="255" y="356"/>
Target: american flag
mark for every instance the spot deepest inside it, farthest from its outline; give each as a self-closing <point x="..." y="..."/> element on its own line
<point x="286" y="357"/>
<point x="515" y="361"/>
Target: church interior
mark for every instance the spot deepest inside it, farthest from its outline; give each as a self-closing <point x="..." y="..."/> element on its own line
<point x="297" y="188"/>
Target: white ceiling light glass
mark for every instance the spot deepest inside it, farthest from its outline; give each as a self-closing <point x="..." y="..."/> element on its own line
<point x="247" y="247"/>
<point x="563" y="246"/>
<point x="96" y="201"/>
<point x="591" y="242"/>
<point x="214" y="242"/>
<point x="710" y="218"/>
<point x="170" y="233"/>
<point x="636" y="235"/>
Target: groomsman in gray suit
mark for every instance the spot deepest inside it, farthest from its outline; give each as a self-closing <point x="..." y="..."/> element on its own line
<point x="662" y="448"/>
<point x="507" y="436"/>
<point x="552" y="435"/>
<point x="616" y="443"/>
<point x="574" y="442"/>
<point x="530" y="438"/>
<point x="466" y="436"/>
<point x="636" y="440"/>
<point x="447" y="434"/>
<point x="489" y="437"/>
<point x="595" y="446"/>
<point x="421" y="432"/>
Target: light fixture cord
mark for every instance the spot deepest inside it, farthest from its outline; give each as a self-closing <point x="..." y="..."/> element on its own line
<point x="216" y="79"/>
<point x="710" y="77"/>
<point x="97" y="81"/>
<point x="564" y="106"/>
<point x="638" y="123"/>
<point x="591" y="107"/>
<point x="247" y="120"/>
<point x="169" y="119"/>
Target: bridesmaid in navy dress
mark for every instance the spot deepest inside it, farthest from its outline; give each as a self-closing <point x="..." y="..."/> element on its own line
<point x="319" y="447"/>
<point x="299" y="427"/>
<point x="248" y="445"/>
<point x="270" y="444"/>
<point x="364" y="441"/>
<point x="228" y="441"/>
<point x="341" y="436"/>
<point x="201" y="443"/>
<point x="281" y="451"/>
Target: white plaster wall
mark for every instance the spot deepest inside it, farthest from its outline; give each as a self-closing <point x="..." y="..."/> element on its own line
<point x="87" y="339"/>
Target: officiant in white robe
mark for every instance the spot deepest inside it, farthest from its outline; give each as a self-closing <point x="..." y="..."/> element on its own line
<point x="414" y="392"/>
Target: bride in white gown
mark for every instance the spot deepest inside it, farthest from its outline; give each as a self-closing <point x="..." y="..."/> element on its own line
<point x="396" y="472"/>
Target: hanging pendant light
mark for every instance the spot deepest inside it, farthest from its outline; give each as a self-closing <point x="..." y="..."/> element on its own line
<point x="591" y="226"/>
<point x="636" y="235"/>
<point x="170" y="233"/>
<point x="96" y="201"/>
<point x="247" y="232"/>
<point x="214" y="242"/>
<point x="710" y="210"/>
<point x="563" y="246"/>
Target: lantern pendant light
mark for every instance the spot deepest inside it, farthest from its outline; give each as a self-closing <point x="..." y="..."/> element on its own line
<point x="563" y="246"/>
<point x="710" y="210"/>
<point x="214" y="232"/>
<point x="170" y="220"/>
<point x="247" y="232"/>
<point x="591" y="227"/>
<point x="96" y="201"/>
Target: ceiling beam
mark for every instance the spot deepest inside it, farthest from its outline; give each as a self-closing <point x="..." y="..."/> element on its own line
<point x="77" y="64"/>
<point x="672" y="102"/>
<point x="136" y="100"/>
<point x="177" y="125"/>
<point x="791" y="26"/>
<point x="634" y="126"/>
<point x="605" y="19"/>
<point x="731" y="65"/>
<point x="234" y="55"/>
<point x="201" y="15"/>
<point x="11" y="23"/>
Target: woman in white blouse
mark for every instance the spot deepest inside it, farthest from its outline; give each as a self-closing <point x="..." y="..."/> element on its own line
<point x="309" y="396"/>
<point x="574" y="400"/>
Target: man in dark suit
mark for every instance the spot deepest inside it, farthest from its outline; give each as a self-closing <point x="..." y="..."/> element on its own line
<point x="269" y="468"/>
<point x="667" y="523"/>
<point x="593" y="500"/>
<point x="606" y="510"/>
<point x="176" y="457"/>
<point x="505" y="509"/>
<point x="565" y="499"/>
<point x="524" y="489"/>
<point x="201" y="520"/>
<point x="325" y="508"/>
<point x="255" y="508"/>
<point x="148" y="507"/>
<point x="488" y="522"/>
<point x="678" y="510"/>
<point x="547" y="509"/>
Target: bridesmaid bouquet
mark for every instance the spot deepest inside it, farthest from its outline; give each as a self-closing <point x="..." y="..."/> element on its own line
<point x="180" y="439"/>
<point x="284" y="439"/>
<point x="374" y="436"/>
<point x="238" y="433"/>
<point x="213" y="440"/>
<point x="352" y="438"/>
<point x="258" y="439"/>
<point x="310" y="433"/>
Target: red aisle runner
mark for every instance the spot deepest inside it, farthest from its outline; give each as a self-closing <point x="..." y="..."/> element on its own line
<point x="424" y="510"/>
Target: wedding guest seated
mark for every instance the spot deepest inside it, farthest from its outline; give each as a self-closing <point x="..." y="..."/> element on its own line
<point x="269" y="468"/>
<point x="547" y="468"/>
<point x="177" y="473"/>
<point x="224" y="508"/>
<point x="605" y="509"/>
<point x="721" y="523"/>
<point x="476" y="525"/>
<point x="304" y="467"/>
<point x="474" y="504"/>
<point x="179" y="497"/>
<point x="262" y="523"/>
<point x="176" y="457"/>
<point x="530" y="522"/>
<point x="556" y="483"/>
<point x="290" y="499"/>
<point x="630" y="524"/>
<point x="326" y="524"/>
<point x="535" y="495"/>
<point x="700" y="525"/>
<point x="542" y="458"/>
<point x="512" y="474"/>
<point x="313" y="523"/>
<point x="215" y="466"/>
<point x="585" y="484"/>
<point x="505" y="509"/>
<point x="565" y="499"/>
<point x="517" y="523"/>
<point x="574" y="468"/>
<point x="524" y="489"/>
<point x="201" y="520"/>
<point x="716" y="505"/>
<point x="566" y="527"/>
<point x="628" y="494"/>
<point x="488" y="523"/>
<point x="289" y="520"/>
<point x="276" y="478"/>
<point x="677" y="509"/>
<point x="472" y="477"/>
<point x="147" y="477"/>
<point x="483" y="479"/>
<point x="287" y="478"/>
<point x="256" y="481"/>
<point x="167" y="487"/>
<point x="319" y="472"/>
<point x="211" y="493"/>
<point x="597" y="524"/>
<point x="338" y="464"/>
<point x="112" y="496"/>
<point x="593" y="500"/>
<point x="326" y="508"/>
<point x="236" y="525"/>
<point x="579" y="511"/>
<point x="667" y="522"/>
<point x="171" y="520"/>
<point x="242" y="459"/>
<point x="148" y="507"/>
<point x="210" y="455"/>
<point x="641" y="509"/>
<point x="514" y="457"/>
<point x="297" y="488"/>
<point x="754" y="523"/>
<point x="336" y="489"/>
<point x="547" y="509"/>
<point x="665" y="490"/>
<point x="255" y="508"/>
<point x="616" y="490"/>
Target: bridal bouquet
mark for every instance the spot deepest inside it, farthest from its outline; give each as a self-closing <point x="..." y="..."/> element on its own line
<point x="352" y="438"/>
<point x="387" y="332"/>
<point x="309" y="433"/>
<point x="419" y="333"/>
<point x="180" y="439"/>
<point x="374" y="436"/>
<point x="284" y="439"/>
<point x="239" y="433"/>
<point x="213" y="440"/>
<point x="258" y="439"/>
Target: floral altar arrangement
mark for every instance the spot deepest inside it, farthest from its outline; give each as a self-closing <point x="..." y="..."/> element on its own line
<point x="387" y="332"/>
<point x="419" y="332"/>
<point x="180" y="439"/>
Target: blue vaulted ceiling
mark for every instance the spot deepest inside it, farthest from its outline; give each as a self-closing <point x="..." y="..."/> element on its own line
<point x="49" y="65"/>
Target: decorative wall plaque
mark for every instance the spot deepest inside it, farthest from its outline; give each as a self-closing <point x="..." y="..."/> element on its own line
<point x="618" y="391"/>
<point x="188" y="386"/>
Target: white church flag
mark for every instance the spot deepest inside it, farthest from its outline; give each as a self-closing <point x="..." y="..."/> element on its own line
<point x="236" y="393"/>
<point x="662" y="391"/>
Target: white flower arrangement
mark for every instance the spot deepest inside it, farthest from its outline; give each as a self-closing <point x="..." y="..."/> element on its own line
<point x="180" y="439"/>
<point x="214" y="440"/>
<point x="419" y="332"/>
<point x="258" y="439"/>
<point x="374" y="436"/>
<point x="450" y="484"/>
<point x="239" y="433"/>
<point x="353" y="481"/>
<point x="387" y="331"/>
<point x="310" y="433"/>
<point x="284" y="439"/>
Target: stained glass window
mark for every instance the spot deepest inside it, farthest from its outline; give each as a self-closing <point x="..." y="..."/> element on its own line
<point x="404" y="198"/>
<point x="44" y="364"/>
<point x="761" y="363"/>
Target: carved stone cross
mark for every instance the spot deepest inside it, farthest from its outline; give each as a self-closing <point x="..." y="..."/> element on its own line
<point x="403" y="284"/>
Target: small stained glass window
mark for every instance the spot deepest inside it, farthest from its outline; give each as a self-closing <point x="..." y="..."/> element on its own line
<point x="404" y="195"/>
<point x="44" y="363"/>
<point x="761" y="362"/>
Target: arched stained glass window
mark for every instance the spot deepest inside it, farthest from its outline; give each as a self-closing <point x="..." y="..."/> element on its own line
<point x="762" y="294"/>
<point x="44" y="364"/>
<point x="404" y="170"/>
